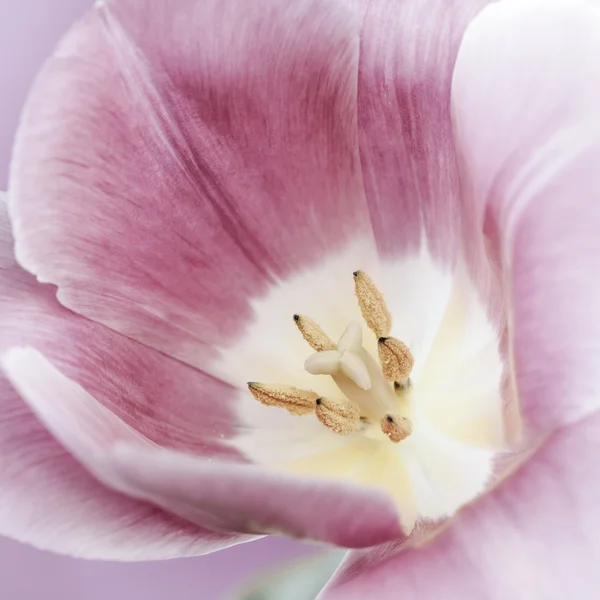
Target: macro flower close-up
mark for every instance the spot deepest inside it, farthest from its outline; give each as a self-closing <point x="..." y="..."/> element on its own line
<point x="326" y="269"/>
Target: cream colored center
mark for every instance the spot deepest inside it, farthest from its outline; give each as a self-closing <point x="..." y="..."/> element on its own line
<point x="333" y="421"/>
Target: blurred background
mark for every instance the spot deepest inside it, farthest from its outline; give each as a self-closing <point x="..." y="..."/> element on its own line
<point x="29" y="29"/>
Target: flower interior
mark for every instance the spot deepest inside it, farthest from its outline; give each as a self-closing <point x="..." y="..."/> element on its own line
<point x="395" y="382"/>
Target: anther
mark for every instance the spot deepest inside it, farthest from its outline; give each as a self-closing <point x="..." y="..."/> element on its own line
<point x="397" y="428"/>
<point x="372" y="304"/>
<point x="396" y="359"/>
<point x="401" y="387"/>
<point x="297" y="402"/>
<point x="314" y="335"/>
<point x="341" y="416"/>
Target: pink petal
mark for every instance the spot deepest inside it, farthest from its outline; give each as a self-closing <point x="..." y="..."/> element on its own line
<point x="408" y="50"/>
<point x="169" y="403"/>
<point x="252" y="500"/>
<point x="46" y="497"/>
<point x="89" y="363"/>
<point x="536" y="536"/>
<point x="176" y="157"/>
<point x="528" y="129"/>
<point x="216" y="495"/>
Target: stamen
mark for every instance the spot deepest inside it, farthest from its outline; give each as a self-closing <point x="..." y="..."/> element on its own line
<point x="396" y="359"/>
<point x="341" y="416"/>
<point x="313" y="334"/>
<point x="397" y="428"/>
<point x="372" y="305"/>
<point x="295" y="401"/>
<point x="400" y="387"/>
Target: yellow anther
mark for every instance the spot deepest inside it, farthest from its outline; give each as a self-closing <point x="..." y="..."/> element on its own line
<point x="396" y="359"/>
<point x="397" y="428"/>
<point x="341" y="416"/>
<point x="297" y="402"/>
<point x="313" y="334"/>
<point x="372" y="305"/>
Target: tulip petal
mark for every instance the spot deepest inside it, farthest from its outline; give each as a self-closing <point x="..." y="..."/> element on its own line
<point x="528" y="128"/>
<point x="231" y="497"/>
<point x="177" y="157"/>
<point x="535" y="536"/>
<point x="406" y="144"/>
<point x="218" y="496"/>
<point x="46" y="497"/>
<point x="59" y="391"/>
<point x="171" y="404"/>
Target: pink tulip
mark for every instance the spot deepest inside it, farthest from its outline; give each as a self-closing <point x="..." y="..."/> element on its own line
<point x="190" y="174"/>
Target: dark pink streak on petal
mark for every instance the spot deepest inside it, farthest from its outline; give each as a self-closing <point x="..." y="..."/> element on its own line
<point x="408" y="50"/>
<point x="535" y="536"/>
<point x="169" y="403"/>
<point x="176" y="156"/>
<point x="249" y="499"/>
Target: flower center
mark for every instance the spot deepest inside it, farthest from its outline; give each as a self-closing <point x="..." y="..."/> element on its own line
<point x="374" y="398"/>
<point x="414" y="408"/>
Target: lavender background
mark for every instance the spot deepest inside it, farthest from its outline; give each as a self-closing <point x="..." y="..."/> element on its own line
<point x="29" y="29"/>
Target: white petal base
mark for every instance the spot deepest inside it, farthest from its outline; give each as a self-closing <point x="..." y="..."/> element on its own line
<point x="456" y="407"/>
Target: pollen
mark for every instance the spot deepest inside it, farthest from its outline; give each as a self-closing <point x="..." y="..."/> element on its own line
<point x="373" y="396"/>
<point x="295" y="401"/>
<point x="341" y="416"/>
<point x="399" y="388"/>
<point x="372" y="305"/>
<point x="313" y="334"/>
<point x="396" y="359"/>
<point x="396" y="427"/>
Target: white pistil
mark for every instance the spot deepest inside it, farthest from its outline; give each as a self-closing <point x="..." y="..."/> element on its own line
<point x="354" y="368"/>
<point x="338" y="364"/>
<point x="341" y="416"/>
<point x="295" y="401"/>
<point x="351" y="340"/>
<point x="323" y="363"/>
<point x="345" y="360"/>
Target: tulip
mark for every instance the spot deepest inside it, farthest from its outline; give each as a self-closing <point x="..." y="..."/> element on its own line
<point x="325" y="269"/>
